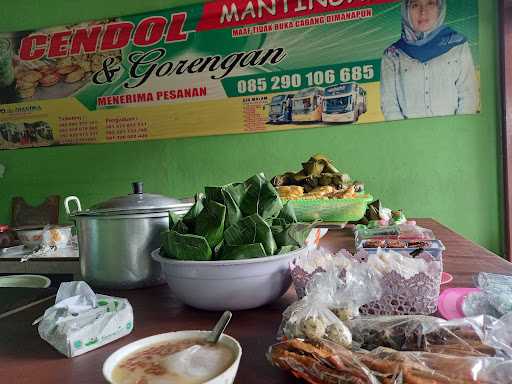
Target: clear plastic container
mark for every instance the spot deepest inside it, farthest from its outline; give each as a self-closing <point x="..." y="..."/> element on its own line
<point x="337" y="210"/>
<point x="434" y="247"/>
<point x="407" y="232"/>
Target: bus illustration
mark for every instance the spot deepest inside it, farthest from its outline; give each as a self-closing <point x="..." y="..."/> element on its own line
<point x="344" y="102"/>
<point x="307" y="105"/>
<point x="280" y="109"/>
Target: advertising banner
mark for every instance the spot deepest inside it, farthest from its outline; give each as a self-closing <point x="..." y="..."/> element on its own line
<point x="237" y="66"/>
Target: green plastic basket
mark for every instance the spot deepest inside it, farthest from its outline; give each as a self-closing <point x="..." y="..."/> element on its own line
<point x="331" y="210"/>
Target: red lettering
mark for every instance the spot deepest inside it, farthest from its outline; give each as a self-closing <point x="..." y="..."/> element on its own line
<point x="33" y="47"/>
<point x="117" y="35"/>
<point x="175" y="31"/>
<point x="149" y="31"/>
<point x="59" y="43"/>
<point x="85" y="40"/>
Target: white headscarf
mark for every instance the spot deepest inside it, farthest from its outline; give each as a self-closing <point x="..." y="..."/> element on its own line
<point x="421" y="38"/>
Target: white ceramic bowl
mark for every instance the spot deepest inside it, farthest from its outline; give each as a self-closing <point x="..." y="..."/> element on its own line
<point x="30" y="236"/>
<point x="231" y="284"/>
<point x="226" y="377"/>
<point x="25" y="281"/>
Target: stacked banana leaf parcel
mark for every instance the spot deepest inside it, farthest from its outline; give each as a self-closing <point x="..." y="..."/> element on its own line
<point x="233" y="222"/>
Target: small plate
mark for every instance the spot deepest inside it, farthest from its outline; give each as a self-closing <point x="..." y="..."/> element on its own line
<point x="25" y="281"/>
<point x="451" y="300"/>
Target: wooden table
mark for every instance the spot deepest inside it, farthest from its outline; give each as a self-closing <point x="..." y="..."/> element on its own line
<point x="25" y="358"/>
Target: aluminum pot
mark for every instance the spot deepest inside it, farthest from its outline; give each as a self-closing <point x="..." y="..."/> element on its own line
<point x="116" y="237"/>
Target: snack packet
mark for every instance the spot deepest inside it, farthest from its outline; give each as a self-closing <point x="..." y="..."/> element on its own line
<point x="359" y="285"/>
<point x="311" y="317"/>
<point x="321" y="361"/>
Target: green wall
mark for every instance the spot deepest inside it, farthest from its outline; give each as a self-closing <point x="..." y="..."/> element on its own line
<point x="444" y="168"/>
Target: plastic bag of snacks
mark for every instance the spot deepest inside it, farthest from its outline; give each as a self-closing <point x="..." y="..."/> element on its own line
<point x="461" y="337"/>
<point x="311" y="318"/>
<point x="321" y="361"/>
<point x="358" y="285"/>
<point x="498" y="290"/>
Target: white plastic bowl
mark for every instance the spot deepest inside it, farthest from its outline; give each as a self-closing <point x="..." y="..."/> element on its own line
<point x="25" y="281"/>
<point x="226" y="377"/>
<point x="231" y="284"/>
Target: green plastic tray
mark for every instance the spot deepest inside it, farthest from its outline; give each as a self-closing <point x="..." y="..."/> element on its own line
<point x="330" y="210"/>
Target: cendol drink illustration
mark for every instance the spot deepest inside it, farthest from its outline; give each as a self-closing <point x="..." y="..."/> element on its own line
<point x="280" y="109"/>
<point x="307" y="105"/>
<point x="344" y="102"/>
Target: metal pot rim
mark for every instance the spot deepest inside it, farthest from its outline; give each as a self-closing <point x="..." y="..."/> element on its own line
<point x="141" y="214"/>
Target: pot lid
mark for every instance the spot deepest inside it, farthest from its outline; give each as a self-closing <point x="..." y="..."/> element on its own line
<point x="137" y="202"/>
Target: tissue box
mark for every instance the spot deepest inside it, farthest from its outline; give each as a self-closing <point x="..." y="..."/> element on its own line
<point x="76" y="333"/>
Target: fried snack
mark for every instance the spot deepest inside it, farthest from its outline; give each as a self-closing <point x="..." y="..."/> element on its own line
<point x="64" y="62"/>
<point x="85" y="66"/>
<point x="396" y="244"/>
<point x="371" y="243"/>
<point x="31" y="76"/>
<point x="419" y="244"/>
<point x="75" y="76"/>
<point x="67" y="69"/>
<point x="318" y="362"/>
<point x="46" y="69"/>
<point x="346" y="193"/>
<point x="421" y="368"/>
<point x="19" y="72"/>
<point x="26" y="93"/>
<point x="290" y="192"/>
<point x="313" y="327"/>
<point x="462" y="341"/>
<point x="49" y="80"/>
<point x="21" y="84"/>
<point x="323" y="190"/>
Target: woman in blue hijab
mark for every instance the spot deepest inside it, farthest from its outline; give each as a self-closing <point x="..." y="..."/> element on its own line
<point x="429" y="71"/>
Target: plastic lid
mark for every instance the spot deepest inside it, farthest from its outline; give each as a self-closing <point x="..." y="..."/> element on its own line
<point x="137" y="202"/>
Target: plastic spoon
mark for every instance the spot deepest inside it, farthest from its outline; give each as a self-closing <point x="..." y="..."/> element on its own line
<point x="219" y="328"/>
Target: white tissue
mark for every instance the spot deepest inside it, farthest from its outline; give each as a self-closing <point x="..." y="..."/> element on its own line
<point x="81" y="321"/>
<point x="75" y="296"/>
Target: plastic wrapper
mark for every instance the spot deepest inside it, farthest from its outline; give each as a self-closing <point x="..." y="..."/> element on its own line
<point x="324" y="362"/>
<point x="498" y="289"/>
<point x="473" y="336"/>
<point x="311" y="316"/>
<point x="359" y="285"/>
<point x="409" y="285"/>
<point x="405" y="231"/>
<point x="499" y="336"/>
<point x="315" y="260"/>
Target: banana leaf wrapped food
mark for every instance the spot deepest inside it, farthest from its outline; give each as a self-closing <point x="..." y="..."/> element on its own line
<point x="317" y="172"/>
<point x="234" y="221"/>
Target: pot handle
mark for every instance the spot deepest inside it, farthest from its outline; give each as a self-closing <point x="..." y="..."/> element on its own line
<point x="67" y="200"/>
